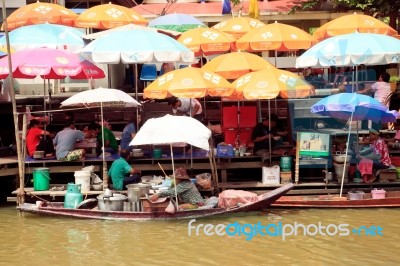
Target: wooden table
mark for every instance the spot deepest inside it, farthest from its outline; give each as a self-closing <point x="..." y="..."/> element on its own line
<point x="88" y="144"/>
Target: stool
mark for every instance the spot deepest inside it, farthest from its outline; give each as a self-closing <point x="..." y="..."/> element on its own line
<point x="387" y="175"/>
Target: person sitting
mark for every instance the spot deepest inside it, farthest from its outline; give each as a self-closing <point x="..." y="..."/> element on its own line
<point x="394" y="142"/>
<point x="189" y="196"/>
<point x="33" y="138"/>
<point x="128" y="133"/>
<point x="264" y="133"/>
<point x="110" y="142"/>
<point x="65" y="141"/>
<point x="379" y="154"/>
<point x="122" y="173"/>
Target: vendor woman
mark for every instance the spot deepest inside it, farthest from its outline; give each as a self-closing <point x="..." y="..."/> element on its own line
<point x="188" y="195"/>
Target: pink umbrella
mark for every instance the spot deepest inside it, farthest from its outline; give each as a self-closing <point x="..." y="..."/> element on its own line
<point x="49" y="63"/>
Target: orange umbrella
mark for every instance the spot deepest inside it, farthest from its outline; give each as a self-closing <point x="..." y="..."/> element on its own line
<point x="238" y="26"/>
<point x="269" y="83"/>
<point x="275" y="36"/>
<point x="236" y="64"/>
<point x="38" y="13"/>
<point x="188" y="82"/>
<point x="108" y="16"/>
<point x="207" y="41"/>
<point x="352" y="23"/>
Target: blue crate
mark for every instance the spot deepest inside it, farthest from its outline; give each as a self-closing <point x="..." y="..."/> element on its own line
<point x="225" y="151"/>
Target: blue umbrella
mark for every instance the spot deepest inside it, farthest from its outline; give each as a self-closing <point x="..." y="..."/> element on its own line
<point x="353" y="106"/>
<point x="176" y="22"/>
<point x="352" y="50"/>
<point x="137" y="46"/>
<point x="45" y="35"/>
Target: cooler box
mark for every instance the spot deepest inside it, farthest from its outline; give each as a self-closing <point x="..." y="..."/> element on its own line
<point x="225" y="151"/>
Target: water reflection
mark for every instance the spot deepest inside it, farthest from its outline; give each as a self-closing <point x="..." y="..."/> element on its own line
<point x="29" y="239"/>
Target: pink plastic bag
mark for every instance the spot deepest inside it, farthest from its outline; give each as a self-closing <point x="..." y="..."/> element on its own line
<point x="231" y="198"/>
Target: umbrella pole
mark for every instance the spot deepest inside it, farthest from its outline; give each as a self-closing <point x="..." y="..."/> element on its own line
<point x="269" y="129"/>
<point x="105" y="175"/>
<point x="137" y="97"/>
<point x="173" y="172"/>
<point x="21" y="191"/>
<point x="345" y="158"/>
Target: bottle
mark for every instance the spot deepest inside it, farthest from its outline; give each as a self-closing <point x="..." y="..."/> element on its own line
<point x="237" y="142"/>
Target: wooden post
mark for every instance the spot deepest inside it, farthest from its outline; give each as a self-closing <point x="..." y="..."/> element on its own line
<point x="21" y="194"/>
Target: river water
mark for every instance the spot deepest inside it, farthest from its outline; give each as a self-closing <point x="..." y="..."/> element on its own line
<point x="32" y="240"/>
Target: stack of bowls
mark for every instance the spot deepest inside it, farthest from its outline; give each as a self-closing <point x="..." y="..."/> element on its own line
<point x="137" y="153"/>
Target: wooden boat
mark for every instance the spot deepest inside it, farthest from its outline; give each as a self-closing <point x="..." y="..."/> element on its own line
<point x="57" y="209"/>
<point x="392" y="199"/>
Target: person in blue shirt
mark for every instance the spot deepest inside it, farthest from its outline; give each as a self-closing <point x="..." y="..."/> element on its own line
<point x="128" y="133"/>
<point x="122" y="173"/>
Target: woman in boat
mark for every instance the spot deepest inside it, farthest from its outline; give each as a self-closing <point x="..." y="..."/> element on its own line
<point x="188" y="195"/>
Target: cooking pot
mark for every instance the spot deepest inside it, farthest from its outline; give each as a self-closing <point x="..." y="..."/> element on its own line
<point x="134" y="193"/>
<point x="144" y="188"/>
<point x="114" y="203"/>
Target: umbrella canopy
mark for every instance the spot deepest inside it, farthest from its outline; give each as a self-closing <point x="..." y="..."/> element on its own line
<point x="275" y="36"/>
<point x="352" y="50"/>
<point x="236" y="64"/>
<point x="360" y="107"/>
<point x="124" y="46"/>
<point x="111" y="98"/>
<point x="269" y="83"/>
<point x="353" y="23"/>
<point x="205" y="41"/>
<point x="176" y="22"/>
<point x="38" y="13"/>
<point x="45" y="35"/>
<point x="49" y="64"/>
<point x="238" y="26"/>
<point x="108" y="16"/>
<point x="171" y="129"/>
<point x="188" y="82"/>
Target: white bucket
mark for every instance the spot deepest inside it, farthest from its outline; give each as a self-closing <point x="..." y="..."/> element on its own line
<point x="83" y="178"/>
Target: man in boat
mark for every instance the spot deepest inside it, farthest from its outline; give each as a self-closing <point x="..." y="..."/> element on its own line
<point x="188" y="195"/>
<point x="122" y="173"/>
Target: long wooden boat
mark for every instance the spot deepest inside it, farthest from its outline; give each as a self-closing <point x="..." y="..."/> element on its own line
<point x="392" y="199"/>
<point x="57" y="209"/>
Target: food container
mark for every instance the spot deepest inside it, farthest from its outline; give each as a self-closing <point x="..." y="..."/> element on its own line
<point x="97" y="186"/>
<point x="378" y="193"/>
<point x="114" y="203"/>
<point x="356" y="195"/>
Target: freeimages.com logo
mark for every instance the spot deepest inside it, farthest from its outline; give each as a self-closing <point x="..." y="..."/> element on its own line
<point x="249" y="231"/>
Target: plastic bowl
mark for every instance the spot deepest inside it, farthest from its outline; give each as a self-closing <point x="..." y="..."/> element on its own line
<point x="97" y="187"/>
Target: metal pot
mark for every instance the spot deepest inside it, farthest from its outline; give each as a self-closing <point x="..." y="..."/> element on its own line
<point x="114" y="203"/>
<point x="108" y="193"/>
<point x="134" y="193"/>
<point x="144" y="188"/>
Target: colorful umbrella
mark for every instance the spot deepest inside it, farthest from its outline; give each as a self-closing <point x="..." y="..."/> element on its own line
<point x="176" y="22"/>
<point x="275" y="36"/>
<point x="353" y="106"/>
<point x="188" y="82"/>
<point x="236" y="64"/>
<point x="108" y="16"/>
<point x="38" y="13"/>
<point x="353" y="23"/>
<point x="124" y="46"/>
<point x="45" y="35"/>
<point x="343" y="106"/>
<point x="352" y="50"/>
<point x="238" y="26"/>
<point x="205" y="41"/>
<point x="269" y="83"/>
<point x="49" y="63"/>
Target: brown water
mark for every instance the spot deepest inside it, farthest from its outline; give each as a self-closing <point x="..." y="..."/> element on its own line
<point x="32" y="240"/>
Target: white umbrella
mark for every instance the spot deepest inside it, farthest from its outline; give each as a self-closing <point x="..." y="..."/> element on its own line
<point x="101" y="97"/>
<point x="170" y="130"/>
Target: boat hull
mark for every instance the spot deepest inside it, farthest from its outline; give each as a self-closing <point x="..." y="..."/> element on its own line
<point x="57" y="209"/>
<point x="392" y="199"/>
